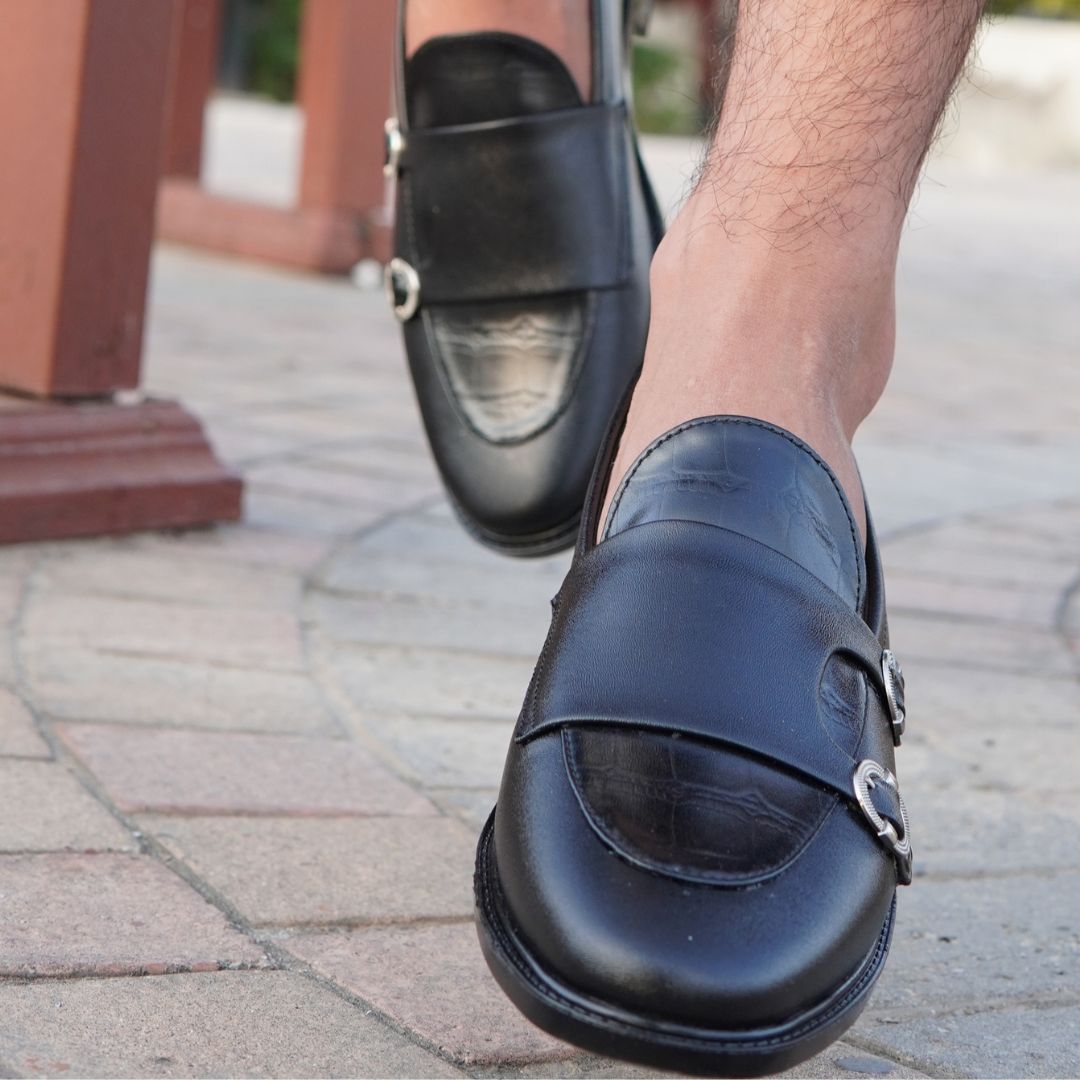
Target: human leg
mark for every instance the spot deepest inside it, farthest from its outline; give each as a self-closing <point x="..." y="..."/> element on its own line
<point x="773" y="291"/>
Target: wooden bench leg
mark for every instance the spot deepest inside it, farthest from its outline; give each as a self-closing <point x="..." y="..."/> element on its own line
<point x="82" y="112"/>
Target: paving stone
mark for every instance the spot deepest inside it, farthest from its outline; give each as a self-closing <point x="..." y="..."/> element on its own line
<point x="442" y="539"/>
<point x="918" y="478"/>
<point x="920" y="593"/>
<point x="12" y="582"/>
<point x="977" y="555"/>
<point x="257" y="639"/>
<point x="472" y="806"/>
<point x="229" y="1023"/>
<point x="990" y="699"/>
<point x="238" y="445"/>
<point x="122" y="570"/>
<point x="978" y="646"/>
<point x="304" y="479"/>
<point x="77" y="683"/>
<point x="315" y="421"/>
<point x="583" y="1065"/>
<point x="429" y="682"/>
<point x="412" y="556"/>
<point x="412" y="623"/>
<point x="16" y="562"/>
<point x="185" y="772"/>
<point x="17" y="559"/>
<point x="295" y="871"/>
<point x="432" y="980"/>
<point x="302" y="516"/>
<point x="1053" y="528"/>
<point x="358" y="572"/>
<point x="445" y="753"/>
<point x="1017" y="758"/>
<point x="8" y="674"/>
<point x="840" y="1060"/>
<point x="387" y="457"/>
<point x="18" y="736"/>
<point x="1070" y="619"/>
<point x="1007" y="1043"/>
<point x="241" y="544"/>
<point x="44" y="808"/>
<point x="974" y="941"/>
<point x="108" y="915"/>
<point x="960" y="830"/>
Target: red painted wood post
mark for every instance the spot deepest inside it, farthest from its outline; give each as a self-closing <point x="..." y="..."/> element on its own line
<point x="346" y="61"/>
<point x="196" y="39"/>
<point x="82" y="115"/>
<point x="342" y="217"/>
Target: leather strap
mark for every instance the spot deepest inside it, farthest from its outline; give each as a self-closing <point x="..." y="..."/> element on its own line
<point x="690" y="628"/>
<point x="537" y="204"/>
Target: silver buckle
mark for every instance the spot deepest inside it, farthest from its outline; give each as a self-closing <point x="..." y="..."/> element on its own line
<point x="402" y="288"/>
<point x="864" y="781"/>
<point x="893" y="675"/>
<point x="395" y="147"/>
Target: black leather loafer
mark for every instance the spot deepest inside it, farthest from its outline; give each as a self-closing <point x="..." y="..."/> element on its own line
<point x="523" y="234"/>
<point x="695" y="853"/>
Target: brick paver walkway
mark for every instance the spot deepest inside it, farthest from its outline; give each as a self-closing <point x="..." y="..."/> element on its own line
<point x="241" y="770"/>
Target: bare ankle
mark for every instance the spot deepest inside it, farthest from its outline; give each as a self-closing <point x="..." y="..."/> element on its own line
<point x="817" y="325"/>
<point x="801" y="339"/>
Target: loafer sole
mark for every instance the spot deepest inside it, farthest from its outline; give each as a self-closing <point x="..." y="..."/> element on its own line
<point x="612" y="1030"/>
<point x="529" y="546"/>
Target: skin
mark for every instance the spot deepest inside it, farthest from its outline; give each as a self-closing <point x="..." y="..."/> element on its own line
<point x="560" y="25"/>
<point x="773" y="292"/>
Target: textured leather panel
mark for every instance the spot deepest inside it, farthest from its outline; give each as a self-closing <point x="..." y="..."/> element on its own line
<point x="744" y="476"/>
<point x="700" y="812"/>
<point x="510" y="369"/>
<point x="691" y="810"/>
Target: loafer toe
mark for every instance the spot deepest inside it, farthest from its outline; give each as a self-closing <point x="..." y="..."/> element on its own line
<point x="612" y="921"/>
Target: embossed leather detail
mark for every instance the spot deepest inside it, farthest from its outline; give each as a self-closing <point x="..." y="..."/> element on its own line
<point x="692" y="811"/>
<point x="842" y="699"/>
<point x="705" y="813"/>
<point x="741" y="475"/>
<point x="510" y="369"/>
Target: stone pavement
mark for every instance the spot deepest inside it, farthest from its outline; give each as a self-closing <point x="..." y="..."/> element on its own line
<point x="242" y="769"/>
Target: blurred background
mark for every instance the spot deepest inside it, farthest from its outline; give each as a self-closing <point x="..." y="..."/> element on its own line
<point x="260" y="51"/>
<point x="1020" y="106"/>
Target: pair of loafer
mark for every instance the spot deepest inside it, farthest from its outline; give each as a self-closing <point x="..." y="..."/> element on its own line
<point x="699" y="834"/>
